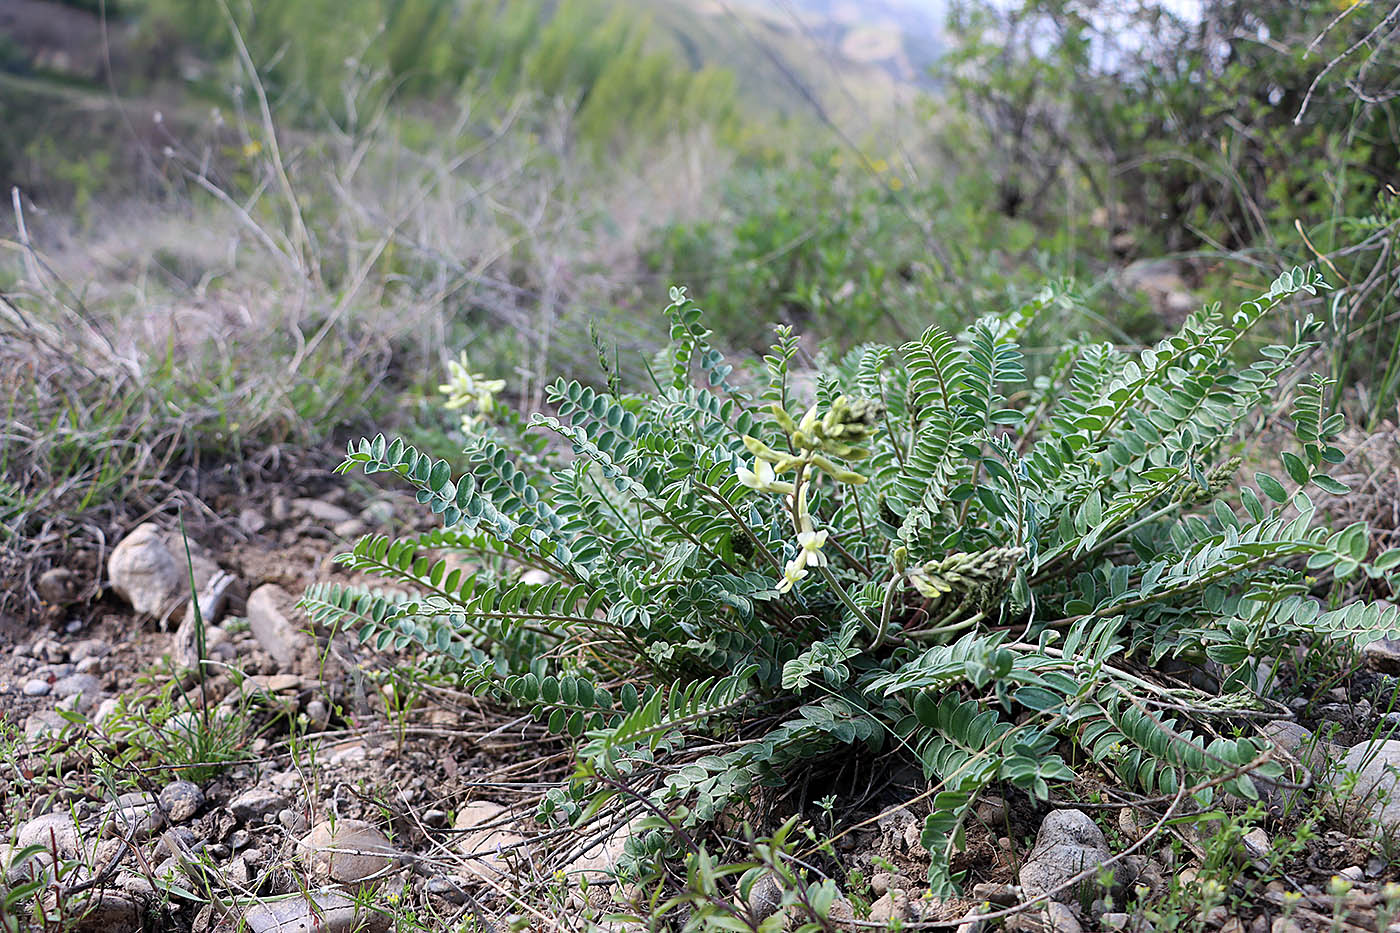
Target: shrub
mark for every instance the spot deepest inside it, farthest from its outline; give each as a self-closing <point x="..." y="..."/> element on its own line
<point x="935" y="558"/>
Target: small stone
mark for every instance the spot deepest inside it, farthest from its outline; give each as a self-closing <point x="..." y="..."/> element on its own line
<point x="1115" y="921"/>
<point x="765" y="897"/>
<point x="448" y="887"/>
<point x="321" y="912"/>
<point x="1068" y="843"/>
<point x="1352" y="873"/>
<point x="321" y="511"/>
<point x="1060" y="919"/>
<point x="133" y="816"/>
<point x="55" y="831"/>
<point x="1232" y="925"/>
<point x="90" y="666"/>
<point x="1285" y="925"/>
<point x="992" y="811"/>
<point x="1382" y="655"/>
<point x="58" y="586"/>
<point x="103" y="911"/>
<point x="144" y="572"/>
<point x="74" y="684"/>
<point x="37" y="688"/>
<point x="1003" y="895"/>
<point x="181" y="800"/>
<point x="880" y="882"/>
<point x="268" y="618"/>
<point x="350" y="528"/>
<point x="435" y="818"/>
<point x="893" y="905"/>
<point x="251" y="521"/>
<point x="1376" y="793"/>
<point x="1257" y="842"/>
<point x="294" y="821"/>
<point x="45" y="724"/>
<point x="348" y="851"/>
<point x="487" y="833"/>
<point x="256" y="804"/>
<point x="88" y="648"/>
<point x="318" y="714"/>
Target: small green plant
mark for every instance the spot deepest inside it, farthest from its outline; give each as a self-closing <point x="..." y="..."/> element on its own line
<point x="931" y="554"/>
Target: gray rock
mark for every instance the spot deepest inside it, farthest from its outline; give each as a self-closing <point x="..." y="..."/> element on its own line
<point x="1382" y="655"/>
<point x="90" y="666"/>
<point x="318" y="912"/>
<point x="1298" y="742"/>
<point x="891" y="906"/>
<point x="45" y="724"/>
<point x="103" y="911"/>
<point x="181" y="800"/>
<point x="1060" y="919"/>
<point x="347" y="852"/>
<point x="34" y="867"/>
<point x="1067" y="844"/>
<point x="251" y="521"/>
<point x="1375" y="795"/>
<point x="88" y="648"/>
<point x="267" y="613"/>
<point x="55" y="831"/>
<point x="448" y="887"/>
<point x="59" y="586"/>
<point x="487" y="835"/>
<point x="326" y="512"/>
<point x="132" y="816"/>
<point x="37" y="688"/>
<point x="256" y="804"/>
<point x="74" y="684"/>
<point x="145" y="573"/>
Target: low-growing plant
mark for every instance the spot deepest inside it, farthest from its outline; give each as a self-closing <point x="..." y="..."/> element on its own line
<point x="732" y="583"/>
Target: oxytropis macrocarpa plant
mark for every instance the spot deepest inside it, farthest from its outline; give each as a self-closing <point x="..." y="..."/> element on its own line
<point x="712" y="587"/>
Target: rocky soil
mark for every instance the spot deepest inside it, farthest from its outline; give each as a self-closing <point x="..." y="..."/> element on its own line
<point x="300" y="785"/>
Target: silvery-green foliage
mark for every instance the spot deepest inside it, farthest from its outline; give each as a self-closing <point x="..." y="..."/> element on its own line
<point x="937" y="558"/>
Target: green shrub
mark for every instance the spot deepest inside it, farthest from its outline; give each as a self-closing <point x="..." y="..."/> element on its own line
<point x="936" y="558"/>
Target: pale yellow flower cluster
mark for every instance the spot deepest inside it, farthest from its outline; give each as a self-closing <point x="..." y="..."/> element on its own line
<point x="470" y="391"/>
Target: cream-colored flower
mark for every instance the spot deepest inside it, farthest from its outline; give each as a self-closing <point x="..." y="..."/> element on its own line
<point x="763" y="478"/>
<point x="466" y="389"/>
<point x="792" y="574"/>
<point x="811" y="543"/>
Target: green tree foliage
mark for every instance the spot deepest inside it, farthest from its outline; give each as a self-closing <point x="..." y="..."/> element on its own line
<point x="1194" y="129"/>
<point x="941" y="557"/>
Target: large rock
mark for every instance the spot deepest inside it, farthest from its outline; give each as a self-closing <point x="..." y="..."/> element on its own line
<point x="486" y="838"/>
<point x="347" y="851"/>
<point x="145" y="573"/>
<point x="1375" y="795"/>
<point x="269" y="617"/>
<point x="1067" y="844"/>
<point x="317" y="912"/>
<point x="54" y="831"/>
<point x="1382" y="655"/>
<point x="181" y="800"/>
<point x="102" y="911"/>
<point x="257" y="803"/>
<point x="148" y="569"/>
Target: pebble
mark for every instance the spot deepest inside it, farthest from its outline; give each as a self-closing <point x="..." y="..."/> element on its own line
<point x="1068" y="843"/>
<point x="321" y="911"/>
<point x="347" y="851"/>
<point x="54" y="831"/>
<point x="181" y="800"/>
<point x="1060" y="919"/>
<point x="74" y="684"/>
<point x="292" y="820"/>
<point x="448" y="887"/>
<point x="256" y="804"/>
<point x="88" y="648"/>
